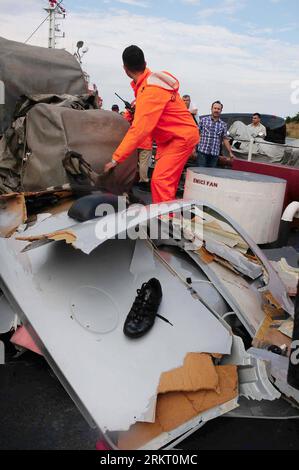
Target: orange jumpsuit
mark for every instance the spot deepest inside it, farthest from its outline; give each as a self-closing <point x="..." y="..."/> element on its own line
<point x="161" y="114"/>
<point x="147" y="144"/>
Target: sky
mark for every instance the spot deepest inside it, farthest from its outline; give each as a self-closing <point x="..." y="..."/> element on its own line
<point x="243" y="52"/>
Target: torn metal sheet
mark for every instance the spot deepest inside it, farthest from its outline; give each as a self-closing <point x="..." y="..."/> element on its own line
<point x="117" y="384"/>
<point x="47" y="222"/>
<point x="279" y="370"/>
<point x="288" y="275"/>
<point x="244" y="299"/>
<point x="239" y="261"/>
<point x="204" y="418"/>
<point x="286" y="389"/>
<point x="37" y="220"/>
<point x="114" y="378"/>
<point x="7" y="315"/>
<point x="88" y="235"/>
<point x="274" y="286"/>
<point x="40" y="218"/>
<point x="268" y="334"/>
<point x="12" y="213"/>
<point x="199" y="282"/>
<point x="13" y="208"/>
<point x="178" y="407"/>
<point x="59" y="223"/>
<point x="182" y="432"/>
<point x="254" y="381"/>
<point x="223" y="232"/>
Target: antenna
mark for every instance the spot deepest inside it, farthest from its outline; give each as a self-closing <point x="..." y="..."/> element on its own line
<point x="56" y="12"/>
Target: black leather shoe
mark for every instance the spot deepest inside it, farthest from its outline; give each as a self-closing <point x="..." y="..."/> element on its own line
<point x="144" y="309"/>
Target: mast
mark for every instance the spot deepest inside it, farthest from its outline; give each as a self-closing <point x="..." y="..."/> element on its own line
<point x="56" y="13"/>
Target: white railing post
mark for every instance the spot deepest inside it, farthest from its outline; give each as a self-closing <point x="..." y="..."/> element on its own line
<point x="250" y="151"/>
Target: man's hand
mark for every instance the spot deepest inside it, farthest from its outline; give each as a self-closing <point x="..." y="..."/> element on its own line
<point x="108" y="167"/>
<point x="231" y="156"/>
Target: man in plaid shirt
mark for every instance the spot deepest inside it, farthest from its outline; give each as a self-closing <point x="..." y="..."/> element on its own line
<point x="213" y="132"/>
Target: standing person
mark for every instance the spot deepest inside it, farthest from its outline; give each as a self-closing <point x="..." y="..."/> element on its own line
<point x="100" y="102"/>
<point x="144" y="152"/>
<point x="191" y="106"/>
<point x="213" y="132"/>
<point x="144" y="158"/>
<point x="161" y="114"/>
<point x="115" y="108"/>
<point x="256" y="128"/>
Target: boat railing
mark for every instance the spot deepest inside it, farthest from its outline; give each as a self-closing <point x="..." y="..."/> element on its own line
<point x="253" y="140"/>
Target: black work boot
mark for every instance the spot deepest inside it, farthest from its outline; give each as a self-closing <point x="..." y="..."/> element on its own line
<point x="144" y="309"/>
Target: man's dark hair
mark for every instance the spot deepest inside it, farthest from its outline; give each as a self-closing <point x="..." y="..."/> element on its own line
<point x="217" y="102"/>
<point x="115" y="107"/>
<point x="257" y="114"/>
<point x="186" y="96"/>
<point x="133" y="59"/>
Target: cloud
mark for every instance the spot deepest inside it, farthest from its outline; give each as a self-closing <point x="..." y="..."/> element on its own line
<point x="20" y="8"/>
<point x="191" y="2"/>
<point x="135" y="3"/>
<point x="210" y="61"/>
<point x="225" y="7"/>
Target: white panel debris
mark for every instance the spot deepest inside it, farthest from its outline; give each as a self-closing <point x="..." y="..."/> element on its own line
<point x="254" y="381"/>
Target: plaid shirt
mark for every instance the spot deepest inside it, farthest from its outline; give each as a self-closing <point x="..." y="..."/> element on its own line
<point x="212" y="134"/>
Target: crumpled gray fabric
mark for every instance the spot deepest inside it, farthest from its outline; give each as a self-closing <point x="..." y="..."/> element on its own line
<point x="27" y="70"/>
<point x="34" y="148"/>
<point x="267" y="151"/>
<point x="291" y="157"/>
<point x="12" y="148"/>
<point x="26" y="102"/>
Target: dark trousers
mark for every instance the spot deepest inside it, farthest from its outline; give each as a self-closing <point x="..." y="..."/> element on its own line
<point x="206" y="160"/>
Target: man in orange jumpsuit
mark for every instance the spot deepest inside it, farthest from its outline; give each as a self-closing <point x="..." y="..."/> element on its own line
<point x="161" y="114"/>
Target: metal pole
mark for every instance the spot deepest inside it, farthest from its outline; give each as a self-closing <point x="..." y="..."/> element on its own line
<point x="250" y="151"/>
<point x="51" y="42"/>
<point x="55" y="12"/>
